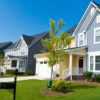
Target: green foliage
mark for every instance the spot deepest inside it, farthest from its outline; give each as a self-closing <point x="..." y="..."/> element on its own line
<point x="60" y="86"/>
<point x="1" y="74"/>
<point x="16" y="72"/>
<point x="97" y="78"/>
<point x="56" y="44"/>
<point x="2" y="60"/>
<point x="88" y="75"/>
<point x="10" y="72"/>
<point x="28" y="72"/>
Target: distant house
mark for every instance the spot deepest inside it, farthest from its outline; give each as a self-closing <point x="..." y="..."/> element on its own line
<point x="20" y="55"/>
<point x="4" y="46"/>
<point x="84" y="50"/>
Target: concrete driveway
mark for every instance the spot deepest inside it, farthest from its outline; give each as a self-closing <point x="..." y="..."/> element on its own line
<point x="21" y="78"/>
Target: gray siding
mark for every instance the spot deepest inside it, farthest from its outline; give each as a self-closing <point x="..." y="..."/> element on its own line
<point x="81" y="29"/>
<point x="35" y="49"/>
<point x="90" y="34"/>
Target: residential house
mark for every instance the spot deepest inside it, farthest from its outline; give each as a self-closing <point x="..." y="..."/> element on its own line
<point x="20" y="55"/>
<point x="3" y="46"/>
<point x="84" y="50"/>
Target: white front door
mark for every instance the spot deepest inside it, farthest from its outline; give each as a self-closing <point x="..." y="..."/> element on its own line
<point x="22" y="66"/>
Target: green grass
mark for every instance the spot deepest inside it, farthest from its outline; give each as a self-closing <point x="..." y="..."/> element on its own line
<point x="30" y="90"/>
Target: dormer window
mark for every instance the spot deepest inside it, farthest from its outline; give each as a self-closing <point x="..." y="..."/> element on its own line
<point x="92" y="10"/>
<point x="81" y="39"/>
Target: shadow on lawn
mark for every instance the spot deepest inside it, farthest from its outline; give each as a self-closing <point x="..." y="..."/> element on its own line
<point x="82" y="86"/>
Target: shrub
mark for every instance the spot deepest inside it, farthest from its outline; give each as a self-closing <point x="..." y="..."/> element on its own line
<point x="16" y="72"/>
<point x="97" y="77"/>
<point x="60" y="86"/>
<point x="28" y="72"/>
<point x="88" y="75"/>
<point x="1" y="74"/>
<point x="10" y="72"/>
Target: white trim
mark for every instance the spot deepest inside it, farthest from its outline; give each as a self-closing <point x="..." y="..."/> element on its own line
<point x="78" y="39"/>
<point x="95" y="29"/>
<point x="70" y="65"/>
<point x="94" y="54"/>
<point x="83" y="17"/>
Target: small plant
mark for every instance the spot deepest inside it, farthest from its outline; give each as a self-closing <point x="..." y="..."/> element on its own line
<point x="16" y="72"/>
<point x="1" y="74"/>
<point x="57" y="75"/>
<point x="10" y="72"/>
<point x="88" y="75"/>
<point x="60" y="86"/>
<point x="97" y="78"/>
<point x="28" y="72"/>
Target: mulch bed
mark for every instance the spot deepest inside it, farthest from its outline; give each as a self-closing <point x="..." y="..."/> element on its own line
<point x="46" y="91"/>
<point x="86" y="82"/>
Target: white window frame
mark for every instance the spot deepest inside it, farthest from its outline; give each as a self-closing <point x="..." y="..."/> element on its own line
<point x="78" y="39"/>
<point x="98" y="18"/>
<point x="95" y="29"/>
<point x="94" y="54"/>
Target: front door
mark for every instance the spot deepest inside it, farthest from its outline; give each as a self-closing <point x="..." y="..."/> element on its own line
<point x="81" y="63"/>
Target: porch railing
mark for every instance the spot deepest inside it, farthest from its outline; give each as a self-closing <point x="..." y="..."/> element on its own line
<point x="65" y="73"/>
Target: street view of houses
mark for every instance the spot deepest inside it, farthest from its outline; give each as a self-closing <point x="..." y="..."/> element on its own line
<point x="54" y="60"/>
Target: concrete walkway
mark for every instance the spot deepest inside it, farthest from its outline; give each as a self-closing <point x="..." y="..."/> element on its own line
<point x="21" y="78"/>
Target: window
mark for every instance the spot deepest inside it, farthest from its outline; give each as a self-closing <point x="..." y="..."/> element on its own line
<point x="91" y="62"/>
<point x="98" y="19"/>
<point x="45" y="62"/>
<point x="14" y="63"/>
<point x="92" y="10"/>
<point x="41" y="62"/>
<point x="97" y="63"/>
<point x="81" y="39"/>
<point x="97" y="35"/>
<point x="22" y="52"/>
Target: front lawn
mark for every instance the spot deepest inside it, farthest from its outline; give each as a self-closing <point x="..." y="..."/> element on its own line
<point x="30" y="90"/>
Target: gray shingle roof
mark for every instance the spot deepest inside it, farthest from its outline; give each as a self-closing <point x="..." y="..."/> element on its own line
<point x="30" y="40"/>
<point x="98" y="5"/>
<point x="4" y="44"/>
<point x="71" y="30"/>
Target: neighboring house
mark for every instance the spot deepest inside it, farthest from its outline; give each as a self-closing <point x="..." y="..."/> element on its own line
<point x="4" y="46"/>
<point x="20" y="55"/>
<point x="84" y="50"/>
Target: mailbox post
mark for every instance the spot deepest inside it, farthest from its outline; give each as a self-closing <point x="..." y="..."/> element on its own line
<point x="7" y="85"/>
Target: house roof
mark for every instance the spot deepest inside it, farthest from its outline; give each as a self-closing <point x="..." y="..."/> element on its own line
<point x="71" y="30"/>
<point x="98" y="5"/>
<point x="30" y="40"/>
<point x="4" y="44"/>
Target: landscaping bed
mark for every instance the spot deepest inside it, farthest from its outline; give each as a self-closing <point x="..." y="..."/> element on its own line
<point x="86" y="82"/>
<point x="47" y="91"/>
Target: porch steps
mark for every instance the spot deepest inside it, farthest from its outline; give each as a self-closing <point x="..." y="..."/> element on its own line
<point x="76" y="77"/>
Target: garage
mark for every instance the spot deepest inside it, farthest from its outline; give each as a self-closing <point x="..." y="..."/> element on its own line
<point x="44" y="70"/>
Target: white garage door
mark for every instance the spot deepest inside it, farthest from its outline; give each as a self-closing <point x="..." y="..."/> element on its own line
<point x="44" y="69"/>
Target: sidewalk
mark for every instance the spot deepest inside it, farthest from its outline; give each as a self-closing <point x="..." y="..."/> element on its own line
<point x="21" y="78"/>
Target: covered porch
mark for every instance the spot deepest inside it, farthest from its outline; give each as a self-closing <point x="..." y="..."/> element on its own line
<point x="73" y="63"/>
<point x="16" y="62"/>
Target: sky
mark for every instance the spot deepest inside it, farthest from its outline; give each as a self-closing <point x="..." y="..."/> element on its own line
<point x="32" y="16"/>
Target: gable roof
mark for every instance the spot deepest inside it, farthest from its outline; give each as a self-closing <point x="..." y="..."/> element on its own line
<point x="71" y="30"/>
<point x="83" y="17"/>
<point x="4" y="44"/>
<point x="30" y="40"/>
<point x="98" y="5"/>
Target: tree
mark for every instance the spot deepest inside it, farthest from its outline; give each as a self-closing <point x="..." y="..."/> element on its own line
<point x="2" y="61"/>
<point x="55" y="44"/>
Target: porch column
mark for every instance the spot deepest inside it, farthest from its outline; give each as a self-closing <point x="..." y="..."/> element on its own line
<point x="18" y="64"/>
<point x="70" y="66"/>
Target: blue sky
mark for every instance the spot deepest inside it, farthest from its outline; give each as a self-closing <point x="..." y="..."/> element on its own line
<point x="32" y="16"/>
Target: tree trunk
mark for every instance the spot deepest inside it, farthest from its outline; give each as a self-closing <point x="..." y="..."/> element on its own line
<point x="51" y="72"/>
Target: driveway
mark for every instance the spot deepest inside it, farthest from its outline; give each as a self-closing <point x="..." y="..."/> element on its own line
<point x="21" y="78"/>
